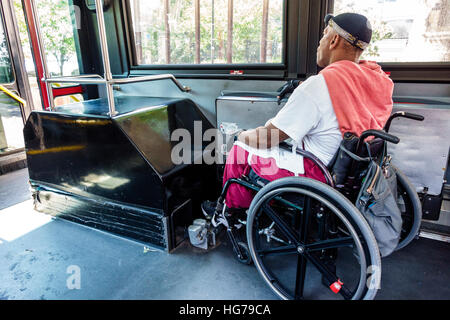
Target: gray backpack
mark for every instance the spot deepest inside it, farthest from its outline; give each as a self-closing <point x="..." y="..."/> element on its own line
<point x="377" y="202"/>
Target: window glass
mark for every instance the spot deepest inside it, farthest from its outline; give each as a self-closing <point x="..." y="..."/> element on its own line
<point x="29" y="63"/>
<point x="405" y="30"/>
<point x="63" y="100"/>
<point x="208" y="31"/>
<point x="11" y="124"/>
<point x="57" y="19"/>
<point x="6" y="70"/>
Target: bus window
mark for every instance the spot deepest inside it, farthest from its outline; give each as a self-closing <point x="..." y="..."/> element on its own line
<point x="208" y="31"/>
<point x="29" y="63"/>
<point x="55" y="17"/>
<point x="58" y="20"/>
<point x="63" y="100"/>
<point x="11" y="124"/>
<point x="404" y="30"/>
<point x="6" y="70"/>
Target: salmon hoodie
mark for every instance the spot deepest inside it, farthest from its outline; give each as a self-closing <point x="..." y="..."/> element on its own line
<point x="361" y="95"/>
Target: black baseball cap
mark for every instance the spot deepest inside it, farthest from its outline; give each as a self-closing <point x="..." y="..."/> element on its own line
<point x="353" y="27"/>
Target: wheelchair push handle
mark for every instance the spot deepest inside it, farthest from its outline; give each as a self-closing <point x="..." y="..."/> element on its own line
<point x="413" y="116"/>
<point x="378" y="134"/>
<point x="402" y="114"/>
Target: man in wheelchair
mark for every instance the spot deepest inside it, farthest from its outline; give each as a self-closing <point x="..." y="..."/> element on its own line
<point x="348" y="95"/>
<point x="321" y="213"/>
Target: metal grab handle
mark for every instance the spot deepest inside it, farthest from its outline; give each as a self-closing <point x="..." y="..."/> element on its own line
<point x="153" y="78"/>
<point x="64" y="79"/>
<point x="99" y="80"/>
<point x="13" y="95"/>
<point x="107" y="79"/>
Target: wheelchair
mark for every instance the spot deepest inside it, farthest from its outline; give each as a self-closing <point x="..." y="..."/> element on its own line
<point x="306" y="238"/>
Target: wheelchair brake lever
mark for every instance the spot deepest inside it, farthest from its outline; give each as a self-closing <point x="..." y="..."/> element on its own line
<point x="289" y="87"/>
<point x="283" y="92"/>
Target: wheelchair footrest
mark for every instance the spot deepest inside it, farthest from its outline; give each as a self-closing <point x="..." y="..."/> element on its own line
<point x="202" y="234"/>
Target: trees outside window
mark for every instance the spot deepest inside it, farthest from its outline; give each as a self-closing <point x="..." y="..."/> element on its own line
<point x="208" y="31"/>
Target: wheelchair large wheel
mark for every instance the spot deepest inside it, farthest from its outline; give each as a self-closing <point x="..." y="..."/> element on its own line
<point x="410" y="207"/>
<point x="310" y="242"/>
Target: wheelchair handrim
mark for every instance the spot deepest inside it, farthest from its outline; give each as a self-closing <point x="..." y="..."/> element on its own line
<point x="257" y="206"/>
<point x="415" y="205"/>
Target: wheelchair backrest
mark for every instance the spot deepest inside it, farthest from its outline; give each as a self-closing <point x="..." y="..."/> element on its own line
<point x="348" y="162"/>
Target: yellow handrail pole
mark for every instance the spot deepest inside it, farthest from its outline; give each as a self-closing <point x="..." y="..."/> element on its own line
<point x="13" y="95"/>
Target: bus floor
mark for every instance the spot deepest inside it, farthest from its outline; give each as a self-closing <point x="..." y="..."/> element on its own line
<point x="44" y="258"/>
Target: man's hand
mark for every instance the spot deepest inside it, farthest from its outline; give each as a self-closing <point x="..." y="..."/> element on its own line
<point x="263" y="137"/>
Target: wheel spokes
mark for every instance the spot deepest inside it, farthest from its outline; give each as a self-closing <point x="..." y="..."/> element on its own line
<point x="300" y="277"/>
<point x="302" y="261"/>
<point x="304" y="244"/>
<point x="290" y="249"/>
<point x="304" y="220"/>
<point x="330" y="244"/>
<point x="330" y="276"/>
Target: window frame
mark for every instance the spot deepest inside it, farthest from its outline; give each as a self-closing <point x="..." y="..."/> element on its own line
<point x="8" y="48"/>
<point x="216" y="71"/>
<point x="436" y="72"/>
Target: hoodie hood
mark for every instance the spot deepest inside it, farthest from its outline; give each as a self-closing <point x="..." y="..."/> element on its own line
<point x="361" y="95"/>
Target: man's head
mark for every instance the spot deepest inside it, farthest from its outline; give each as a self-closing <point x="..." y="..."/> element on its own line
<point x="344" y="38"/>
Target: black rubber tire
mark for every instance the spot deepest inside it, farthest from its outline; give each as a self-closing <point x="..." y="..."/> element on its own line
<point x="372" y="254"/>
<point x="247" y="258"/>
<point x="414" y="204"/>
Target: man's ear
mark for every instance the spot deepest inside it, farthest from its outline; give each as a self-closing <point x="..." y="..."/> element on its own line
<point x="334" y="41"/>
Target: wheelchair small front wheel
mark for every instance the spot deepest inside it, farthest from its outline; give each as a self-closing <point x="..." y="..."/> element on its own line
<point x="308" y="241"/>
<point x="245" y="257"/>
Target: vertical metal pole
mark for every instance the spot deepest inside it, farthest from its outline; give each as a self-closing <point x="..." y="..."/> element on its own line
<point x="37" y="28"/>
<point x="264" y="30"/>
<point x="197" y="31"/>
<point x="22" y="83"/>
<point x="230" y="32"/>
<point x="105" y="56"/>
<point x="167" y="30"/>
<point x="212" y="30"/>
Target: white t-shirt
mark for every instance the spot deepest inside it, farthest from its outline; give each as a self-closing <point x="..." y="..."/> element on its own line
<point x="308" y="118"/>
